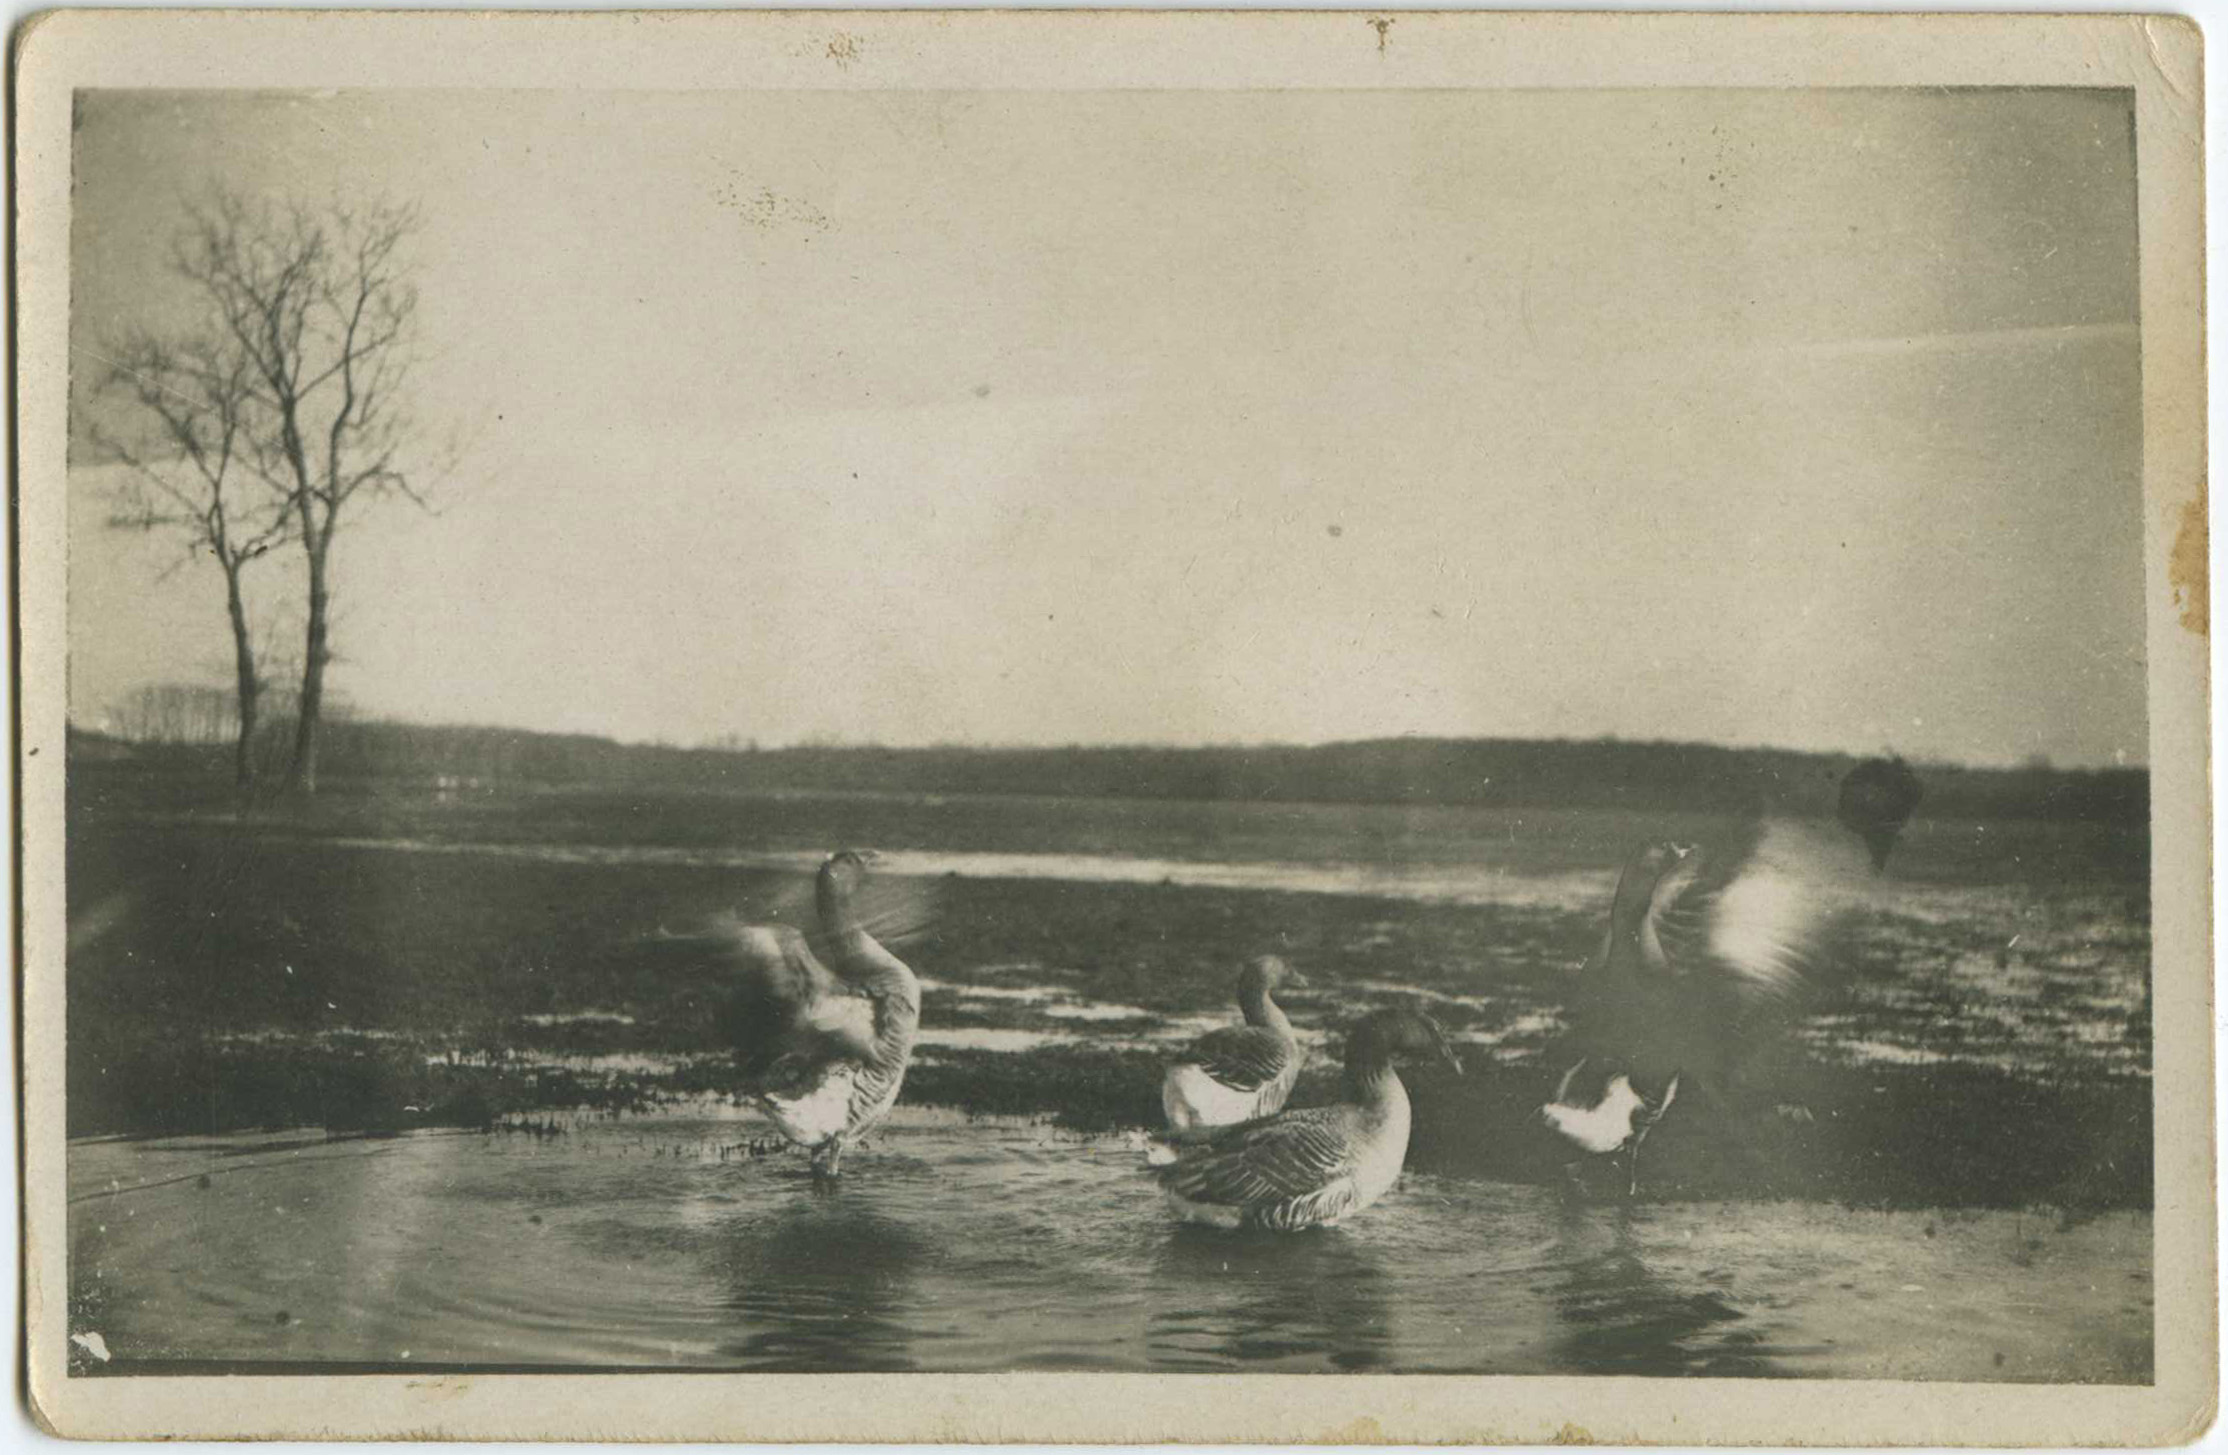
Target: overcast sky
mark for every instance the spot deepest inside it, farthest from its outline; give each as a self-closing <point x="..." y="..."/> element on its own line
<point x="1806" y="419"/>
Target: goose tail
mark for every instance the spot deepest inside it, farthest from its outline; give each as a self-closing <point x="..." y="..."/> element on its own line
<point x="1170" y="1146"/>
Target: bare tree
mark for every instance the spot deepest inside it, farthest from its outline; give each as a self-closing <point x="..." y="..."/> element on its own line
<point x="192" y="480"/>
<point x="315" y="309"/>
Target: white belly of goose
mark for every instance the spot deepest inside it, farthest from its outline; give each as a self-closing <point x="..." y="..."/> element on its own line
<point x="819" y="1115"/>
<point x="1604" y="1127"/>
<point x="1192" y="1098"/>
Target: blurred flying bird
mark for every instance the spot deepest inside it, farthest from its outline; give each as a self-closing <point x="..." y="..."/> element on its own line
<point x="822" y="1025"/>
<point x="1709" y="951"/>
<point x="1310" y="1167"/>
<point x="1240" y="1072"/>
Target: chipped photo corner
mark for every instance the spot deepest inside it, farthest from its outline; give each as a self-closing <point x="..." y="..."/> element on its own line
<point x="1114" y="727"/>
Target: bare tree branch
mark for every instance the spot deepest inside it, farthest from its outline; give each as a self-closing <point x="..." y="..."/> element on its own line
<point x="194" y="404"/>
<point x="308" y="319"/>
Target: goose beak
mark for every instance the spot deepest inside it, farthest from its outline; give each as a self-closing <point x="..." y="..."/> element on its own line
<point x="1446" y="1054"/>
<point x="1295" y="978"/>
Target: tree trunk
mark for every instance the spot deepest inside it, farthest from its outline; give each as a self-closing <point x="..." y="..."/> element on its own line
<point x="250" y="687"/>
<point x="302" y="776"/>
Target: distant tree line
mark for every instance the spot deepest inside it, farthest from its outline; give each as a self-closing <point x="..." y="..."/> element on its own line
<point x="195" y="715"/>
<point x="1472" y="771"/>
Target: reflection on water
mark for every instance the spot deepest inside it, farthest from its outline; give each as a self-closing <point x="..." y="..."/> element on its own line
<point x="821" y="1285"/>
<point x="658" y="1242"/>
<point x="1257" y="1297"/>
<point x="1623" y="1318"/>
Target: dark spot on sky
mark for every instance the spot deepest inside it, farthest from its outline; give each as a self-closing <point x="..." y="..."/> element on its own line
<point x="982" y="391"/>
<point x="1338" y="530"/>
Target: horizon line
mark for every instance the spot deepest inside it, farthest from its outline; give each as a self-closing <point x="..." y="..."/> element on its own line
<point x="750" y="746"/>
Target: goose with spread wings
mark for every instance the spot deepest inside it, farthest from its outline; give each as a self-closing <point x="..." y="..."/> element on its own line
<point x="1309" y="1167"/>
<point x="822" y="1044"/>
<point x="1711" y="949"/>
<point x="1239" y="1073"/>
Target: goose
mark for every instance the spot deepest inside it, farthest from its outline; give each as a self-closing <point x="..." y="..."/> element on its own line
<point x="822" y="1046"/>
<point x="1706" y="950"/>
<point x="1309" y="1167"/>
<point x="1239" y="1072"/>
<point x="1618" y="1122"/>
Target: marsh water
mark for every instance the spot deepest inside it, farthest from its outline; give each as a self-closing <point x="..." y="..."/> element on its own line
<point x="663" y="1242"/>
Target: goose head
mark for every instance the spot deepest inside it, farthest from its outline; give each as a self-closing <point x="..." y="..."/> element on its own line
<point x="1267" y="973"/>
<point x="841" y="873"/>
<point x="1399" y="1034"/>
<point x="1877" y="799"/>
<point x="1651" y="861"/>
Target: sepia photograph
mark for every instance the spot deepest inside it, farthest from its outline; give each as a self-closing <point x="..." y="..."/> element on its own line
<point x="858" y="721"/>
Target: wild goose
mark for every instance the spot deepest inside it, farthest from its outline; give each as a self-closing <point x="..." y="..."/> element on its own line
<point x="1310" y="1167"/>
<point x="1618" y="1122"/>
<point x="821" y="1047"/>
<point x="1239" y="1072"/>
<point x="1707" y="951"/>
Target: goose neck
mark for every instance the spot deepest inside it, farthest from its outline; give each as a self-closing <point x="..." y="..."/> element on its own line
<point x="1369" y="1070"/>
<point x="1372" y="1081"/>
<point x="899" y="1017"/>
<point x="839" y="920"/>
<point x="1262" y="1011"/>
<point x="862" y="960"/>
<point x="1628" y="912"/>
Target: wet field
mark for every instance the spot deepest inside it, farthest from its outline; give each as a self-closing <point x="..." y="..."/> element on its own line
<point x="386" y="1078"/>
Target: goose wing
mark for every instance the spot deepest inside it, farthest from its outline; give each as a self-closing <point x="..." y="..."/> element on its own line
<point x="1243" y="1058"/>
<point x="1292" y="1154"/>
<point x="894" y="908"/>
<point x="780" y="998"/>
<point x="1759" y="916"/>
